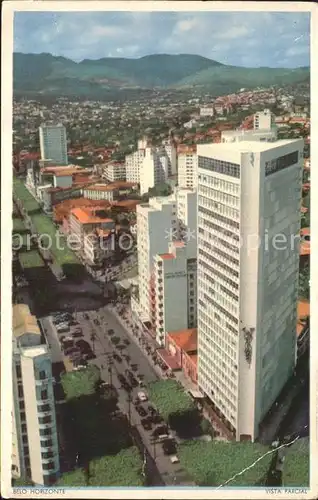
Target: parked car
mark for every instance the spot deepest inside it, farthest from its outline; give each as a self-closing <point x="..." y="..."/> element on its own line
<point x="161" y="430"/>
<point x="89" y="355"/>
<point x="121" y="379"/>
<point x="117" y="357"/>
<point x="169" y="447"/>
<point x="85" y="315"/>
<point x="174" y="459"/>
<point x="70" y="350"/>
<point x="110" y="331"/>
<point x="146" y="424"/>
<point x="134" y="367"/>
<point x="141" y="411"/>
<point x="83" y="345"/>
<point x="126" y="341"/>
<point x="77" y="333"/>
<point x="96" y="322"/>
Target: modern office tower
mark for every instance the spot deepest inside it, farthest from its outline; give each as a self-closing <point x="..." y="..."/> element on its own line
<point x="249" y="196"/>
<point x="187" y="166"/>
<point x="263" y="120"/>
<point x="133" y="163"/>
<point x="53" y="143"/>
<point x="156" y="224"/>
<point x="35" y="453"/>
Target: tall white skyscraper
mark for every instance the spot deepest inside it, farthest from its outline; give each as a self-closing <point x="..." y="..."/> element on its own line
<point x="249" y="196"/>
<point x="53" y="143"/>
<point x="263" y="120"/>
<point x="187" y="166"/>
<point x="35" y="453"/>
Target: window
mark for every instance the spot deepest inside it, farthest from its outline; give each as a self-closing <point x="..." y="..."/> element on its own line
<point x="18" y="371"/>
<point x="23" y="428"/>
<point x="20" y="391"/>
<point x="222" y="167"/>
<point x="281" y="163"/>
<point x="42" y="375"/>
<point x="44" y="394"/>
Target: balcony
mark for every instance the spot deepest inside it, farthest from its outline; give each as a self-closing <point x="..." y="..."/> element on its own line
<point x="46" y="444"/>
<point x="44" y="408"/>
<point x="41" y="381"/>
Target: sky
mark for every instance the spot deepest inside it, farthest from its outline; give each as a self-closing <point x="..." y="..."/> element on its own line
<point x="250" y="39"/>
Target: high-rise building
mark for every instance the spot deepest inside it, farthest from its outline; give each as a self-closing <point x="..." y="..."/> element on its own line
<point x="154" y="169"/>
<point x="249" y="135"/>
<point x="263" y="120"/>
<point x="249" y="196"/>
<point x="157" y="223"/>
<point x="133" y="163"/>
<point x="35" y="453"/>
<point x="187" y="166"/>
<point x="53" y="143"/>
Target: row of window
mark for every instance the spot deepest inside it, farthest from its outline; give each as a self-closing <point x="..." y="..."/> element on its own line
<point x="218" y="195"/>
<point x="281" y="163"/>
<point x="221" y="185"/>
<point x="219" y="252"/>
<point x="219" y="388"/>
<point x="220" y="207"/>
<point x="226" y="268"/>
<point x="214" y="272"/>
<point x="218" y="229"/>
<point x="219" y="166"/>
<point x="219" y="218"/>
<point x="224" y="311"/>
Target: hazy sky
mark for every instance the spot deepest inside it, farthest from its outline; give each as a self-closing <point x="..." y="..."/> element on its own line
<point x="246" y="38"/>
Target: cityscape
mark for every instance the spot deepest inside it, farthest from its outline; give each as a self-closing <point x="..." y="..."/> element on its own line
<point x="160" y="251"/>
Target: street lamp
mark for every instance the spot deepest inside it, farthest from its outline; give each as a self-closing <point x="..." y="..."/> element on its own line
<point x="93" y="338"/>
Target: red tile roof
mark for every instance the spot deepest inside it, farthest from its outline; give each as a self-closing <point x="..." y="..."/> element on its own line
<point x="187" y="339"/>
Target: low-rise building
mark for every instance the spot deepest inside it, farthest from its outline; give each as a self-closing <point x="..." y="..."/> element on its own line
<point x="86" y="220"/>
<point x="182" y="345"/>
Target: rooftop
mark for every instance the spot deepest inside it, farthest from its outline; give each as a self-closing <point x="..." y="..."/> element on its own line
<point x="166" y="256"/>
<point x="23" y="321"/>
<point x="187" y="339"/>
<point x="244" y="146"/>
<point x="34" y="351"/>
<point x="88" y="215"/>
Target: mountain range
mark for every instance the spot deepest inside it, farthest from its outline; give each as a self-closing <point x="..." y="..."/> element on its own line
<point x="57" y="75"/>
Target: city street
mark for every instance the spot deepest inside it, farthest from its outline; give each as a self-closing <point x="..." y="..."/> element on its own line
<point x="170" y="473"/>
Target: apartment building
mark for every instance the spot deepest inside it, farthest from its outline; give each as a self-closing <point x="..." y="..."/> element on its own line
<point x="35" y="453"/>
<point x="133" y="164"/>
<point x="169" y="150"/>
<point x="264" y="120"/>
<point x="207" y="110"/>
<point x="98" y="245"/>
<point x="85" y="220"/>
<point x="173" y="291"/>
<point x="114" y="171"/>
<point x="187" y="166"/>
<point x="53" y="143"/>
<point x="248" y="193"/>
<point x="154" y="169"/>
<point x="156" y="224"/>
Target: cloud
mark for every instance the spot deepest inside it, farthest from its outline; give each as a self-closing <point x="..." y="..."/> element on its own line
<point x="237" y="38"/>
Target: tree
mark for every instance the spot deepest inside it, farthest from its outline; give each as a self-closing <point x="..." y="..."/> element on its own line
<point x="160" y="190"/>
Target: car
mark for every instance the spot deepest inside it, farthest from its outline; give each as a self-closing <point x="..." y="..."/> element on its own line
<point x="162" y="429"/>
<point x="96" y="322"/>
<point x="121" y="378"/>
<point x="117" y="358"/>
<point x="83" y="345"/>
<point x="133" y="381"/>
<point x="174" y="459"/>
<point x="134" y="367"/>
<point x="77" y="333"/>
<point x="70" y="350"/>
<point x="85" y="315"/>
<point x="141" y="411"/>
<point x="169" y="447"/>
<point x="89" y="355"/>
<point x="142" y="396"/>
<point x="126" y="341"/>
<point x="127" y="387"/>
<point x="110" y="331"/>
<point x="146" y="424"/>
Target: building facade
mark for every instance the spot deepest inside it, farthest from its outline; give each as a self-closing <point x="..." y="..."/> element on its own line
<point x="35" y="453"/>
<point x="133" y="163"/>
<point x="248" y="193"/>
<point x="114" y="171"/>
<point x="53" y="143"/>
<point x="187" y="166"/>
<point x="264" y="120"/>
